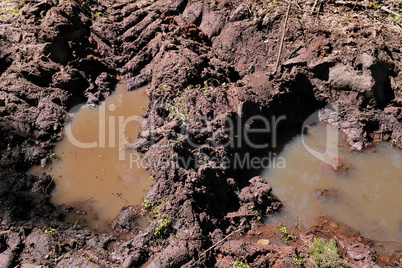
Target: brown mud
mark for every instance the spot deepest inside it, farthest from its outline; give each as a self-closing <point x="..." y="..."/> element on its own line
<point x="56" y="54"/>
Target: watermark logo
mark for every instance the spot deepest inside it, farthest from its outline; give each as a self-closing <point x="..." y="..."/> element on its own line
<point x="238" y="134"/>
<point x="331" y="154"/>
<point x="107" y="134"/>
<point x="237" y="162"/>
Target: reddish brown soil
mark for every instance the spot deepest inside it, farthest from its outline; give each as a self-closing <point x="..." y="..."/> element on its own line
<point x="55" y="54"/>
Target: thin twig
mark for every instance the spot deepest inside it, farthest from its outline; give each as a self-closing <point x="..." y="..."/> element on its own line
<point x="192" y="264"/>
<point x="349" y="3"/>
<point x="319" y="8"/>
<point x="4" y="232"/>
<point x="240" y="215"/>
<point x="391" y="12"/>
<point x="315" y="3"/>
<point x="283" y="38"/>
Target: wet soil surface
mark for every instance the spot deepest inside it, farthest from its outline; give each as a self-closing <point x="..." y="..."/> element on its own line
<point x="214" y="60"/>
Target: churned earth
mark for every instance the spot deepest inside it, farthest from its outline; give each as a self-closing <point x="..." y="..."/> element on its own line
<point x="208" y="62"/>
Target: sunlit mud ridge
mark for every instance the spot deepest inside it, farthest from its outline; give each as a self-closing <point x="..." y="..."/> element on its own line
<point x="210" y="67"/>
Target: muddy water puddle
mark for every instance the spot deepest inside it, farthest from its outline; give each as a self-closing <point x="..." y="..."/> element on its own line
<point x="364" y="192"/>
<point x="95" y="173"/>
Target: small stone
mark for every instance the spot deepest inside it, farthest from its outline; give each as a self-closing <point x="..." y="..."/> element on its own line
<point x="128" y="262"/>
<point x="367" y="61"/>
<point x="264" y="242"/>
<point x="30" y="265"/>
<point x="240" y="13"/>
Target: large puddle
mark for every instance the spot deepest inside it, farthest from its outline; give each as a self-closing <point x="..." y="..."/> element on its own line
<point x="96" y="174"/>
<point x="365" y="193"/>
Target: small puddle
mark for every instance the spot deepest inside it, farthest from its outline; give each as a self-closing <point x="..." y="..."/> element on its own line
<point x="96" y="174"/>
<point x="365" y="193"/>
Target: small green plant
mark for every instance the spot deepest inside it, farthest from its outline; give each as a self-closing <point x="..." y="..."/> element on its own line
<point x="154" y="212"/>
<point x="282" y="228"/>
<point x="56" y="250"/>
<point x="373" y="6"/>
<point x="15" y="11"/>
<point x="192" y="68"/>
<point x="67" y="13"/>
<point x="97" y="14"/>
<point x="151" y="177"/>
<point x="180" y="107"/>
<point x="299" y="261"/>
<point x="240" y="263"/>
<point x="147" y="203"/>
<point x="286" y="235"/>
<point x="394" y="17"/>
<point x="256" y="213"/>
<point x="162" y="227"/>
<point x="51" y="231"/>
<point x="325" y="254"/>
<point x="155" y="215"/>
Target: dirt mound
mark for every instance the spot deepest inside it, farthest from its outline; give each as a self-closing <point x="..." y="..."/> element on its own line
<point x="207" y="63"/>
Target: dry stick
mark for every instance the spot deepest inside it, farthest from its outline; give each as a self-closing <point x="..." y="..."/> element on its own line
<point x="315" y="3"/>
<point x="240" y="215"/>
<point x="282" y="39"/>
<point x="212" y="247"/>
<point x="319" y="8"/>
<point x="390" y="11"/>
<point x="4" y="232"/>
